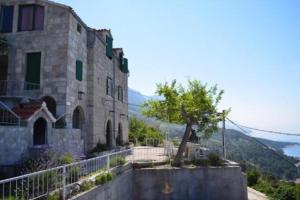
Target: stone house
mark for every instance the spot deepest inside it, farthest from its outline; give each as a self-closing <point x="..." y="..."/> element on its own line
<point x="62" y="84"/>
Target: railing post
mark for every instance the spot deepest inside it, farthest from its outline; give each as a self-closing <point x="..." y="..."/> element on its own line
<point x="108" y="162"/>
<point x="64" y="174"/>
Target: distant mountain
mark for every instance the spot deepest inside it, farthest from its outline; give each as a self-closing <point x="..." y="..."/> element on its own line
<point x="135" y="100"/>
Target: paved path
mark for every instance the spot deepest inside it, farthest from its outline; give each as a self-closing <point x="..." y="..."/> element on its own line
<point x="255" y="195"/>
<point x="148" y="154"/>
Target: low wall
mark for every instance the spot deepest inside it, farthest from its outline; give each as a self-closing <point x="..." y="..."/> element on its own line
<point x="119" y="189"/>
<point x="67" y="141"/>
<point x="14" y="142"/>
<point x="213" y="183"/>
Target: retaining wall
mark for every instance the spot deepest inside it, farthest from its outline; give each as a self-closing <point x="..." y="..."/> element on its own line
<point x="212" y="183"/>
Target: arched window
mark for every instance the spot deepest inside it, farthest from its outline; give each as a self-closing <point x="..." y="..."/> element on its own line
<point x="78" y="118"/>
<point x="51" y="104"/>
<point x="119" y="140"/>
<point x="108" y="133"/>
<point x="39" y="132"/>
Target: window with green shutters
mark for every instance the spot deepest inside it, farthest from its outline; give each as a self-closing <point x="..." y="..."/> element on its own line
<point x="78" y="70"/>
<point x="33" y="70"/>
<point x="125" y="66"/>
<point x="109" y="47"/>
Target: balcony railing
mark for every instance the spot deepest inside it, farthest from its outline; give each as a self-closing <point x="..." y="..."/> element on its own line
<point x="16" y="87"/>
<point x="8" y="117"/>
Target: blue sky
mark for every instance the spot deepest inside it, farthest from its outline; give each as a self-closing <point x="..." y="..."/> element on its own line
<point x="251" y="49"/>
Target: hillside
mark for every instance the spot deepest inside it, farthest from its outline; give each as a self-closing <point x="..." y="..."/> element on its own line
<point x="240" y="147"/>
<point x="246" y="151"/>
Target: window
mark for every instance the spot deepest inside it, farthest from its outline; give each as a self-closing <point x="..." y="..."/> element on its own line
<point x="120" y="93"/>
<point x="109" y="47"/>
<point x="79" y="28"/>
<point x="121" y="61"/>
<point x="109" y="87"/>
<point x="78" y="70"/>
<point x="33" y="69"/>
<point x="6" y="19"/>
<point x="125" y="66"/>
<point x="31" y="17"/>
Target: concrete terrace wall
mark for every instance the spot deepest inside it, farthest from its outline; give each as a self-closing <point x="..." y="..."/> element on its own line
<point x="214" y="183"/>
<point x="119" y="189"/>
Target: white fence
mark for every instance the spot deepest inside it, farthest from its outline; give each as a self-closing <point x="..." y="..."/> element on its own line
<point x="40" y="184"/>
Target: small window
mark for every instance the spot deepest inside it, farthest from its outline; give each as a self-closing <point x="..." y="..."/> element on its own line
<point x="33" y="70"/>
<point x="109" y="87"/>
<point x="120" y="93"/>
<point x="125" y="66"/>
<point x="6" y="19"/>
<point x="78" y="70"/>
<point x="109" y="47"/>
<point x="79" y="28"/>
<point x="31" y="17"/>
<point x="121" y="61"/>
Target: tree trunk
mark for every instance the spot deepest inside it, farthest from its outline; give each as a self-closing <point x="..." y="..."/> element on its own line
<point x="178" y="158"/>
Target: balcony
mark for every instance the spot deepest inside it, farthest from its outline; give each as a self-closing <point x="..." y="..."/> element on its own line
<point x="17" y="88"/>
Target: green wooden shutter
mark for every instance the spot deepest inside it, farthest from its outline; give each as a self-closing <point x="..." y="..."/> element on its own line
<point x="78" y="70"/>
<point x="109" y="47"/>
<point x="33" y="70"/>
<point x="125" y="65"/>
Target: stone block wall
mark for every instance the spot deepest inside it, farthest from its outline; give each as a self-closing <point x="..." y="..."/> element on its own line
<point x="14" y="142"/>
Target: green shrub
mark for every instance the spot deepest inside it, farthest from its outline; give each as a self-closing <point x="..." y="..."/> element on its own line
<point x="104" y="178"/>
<point x="66" y="159"/>
<point x="214" y="159"/>
<point x="110" y="176"/>
<point x="101" y="179"/>
<point x="99" y="148"/>
<point x="252" y="177"/>
<point x="201" y="162"/>
<point x="54" y="196"/>
<point x="86" y="185"/>
<point x="10" y="198"/>
<point x="140" y="132"/>
<point x="117" y="161"/>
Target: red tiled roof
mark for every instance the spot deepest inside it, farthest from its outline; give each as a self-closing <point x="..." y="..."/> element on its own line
<point x="26" y="110"/>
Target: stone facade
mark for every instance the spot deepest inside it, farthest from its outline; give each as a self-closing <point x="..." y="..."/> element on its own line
<point x="64" y="40"/>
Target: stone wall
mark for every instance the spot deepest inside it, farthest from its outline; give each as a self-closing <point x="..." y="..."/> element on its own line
<point x="67" y="141"/>
<point x="14" y="142"/>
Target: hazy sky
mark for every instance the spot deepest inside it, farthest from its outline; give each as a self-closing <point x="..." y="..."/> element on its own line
<point x="251" y="49"/>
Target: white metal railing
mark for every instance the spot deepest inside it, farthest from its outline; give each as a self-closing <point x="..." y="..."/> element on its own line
<point x="16" y="87"/>
<point x="40" y="184"/>
<point x="7" y="116"/>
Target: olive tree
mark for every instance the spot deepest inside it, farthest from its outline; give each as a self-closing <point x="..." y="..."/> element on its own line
<point x="193" y="106"/>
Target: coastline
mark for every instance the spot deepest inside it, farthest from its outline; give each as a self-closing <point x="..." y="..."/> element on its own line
<point x="292" y="150"/>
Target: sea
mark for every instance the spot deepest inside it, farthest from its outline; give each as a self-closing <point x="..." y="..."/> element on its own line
<point x="290" y="150"/>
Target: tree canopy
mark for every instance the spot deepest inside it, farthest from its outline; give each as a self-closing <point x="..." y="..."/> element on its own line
<point x="194" y="105"/>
